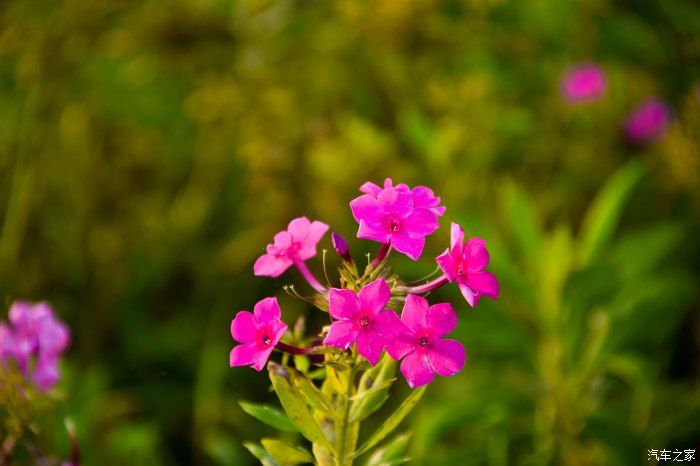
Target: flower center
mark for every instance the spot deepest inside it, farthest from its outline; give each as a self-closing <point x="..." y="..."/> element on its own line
<point x="266" y="340"/>
<point x="423" y="341"/>
<point x="364" y="322"/>
<point x="392" y="223"/>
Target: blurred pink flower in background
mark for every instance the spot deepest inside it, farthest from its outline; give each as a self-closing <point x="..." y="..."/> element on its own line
<point x="648" y="121"/>
<point x="584" y="83"/>
<point x="34" y="340"/>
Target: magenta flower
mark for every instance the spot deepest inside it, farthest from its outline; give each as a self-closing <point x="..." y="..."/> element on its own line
<point x="392" y="217"/>
<point x="362" y="318"/>
<point x="583" y="83"/>
<point x="34" y="334"/>
<point x="648" y="121"/>
<point x="292" y="247"/>
<point x="258" y="334"/>
<point x="424" y="353"/>
<point x="465" y="264"/>
<point x="422" y="195"/>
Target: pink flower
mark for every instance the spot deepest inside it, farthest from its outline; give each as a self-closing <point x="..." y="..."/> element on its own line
<point x="362" y="318"/>
<point x="465" y="263"/>
<point x="648" y="121"/>
<point x="424" y="353"/>
<point x="422" y="195"/>
<point x="296" y="244"/>
<point x="584" y="83"/>
<point x="36" y="334"/>
<point x="392" y="216"/>
<point x="258" y="334"/>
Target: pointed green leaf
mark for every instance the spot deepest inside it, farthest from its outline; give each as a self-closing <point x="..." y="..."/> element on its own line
<point x="393" y="421"/>
<point x="286" y="453"/>
<point x="269" y="415"/>
<point x="369" y="398"/>
<point x="260" y="453"/>
<point x="602" y="217"/>
<point x="390" y="453"/>
<point x="295" y="405"/>
<point x="311" y="393"/>
<point x="377" y="387"/>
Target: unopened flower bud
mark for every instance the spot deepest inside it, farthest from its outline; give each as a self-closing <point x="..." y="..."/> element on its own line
<point x="341" y="246"/>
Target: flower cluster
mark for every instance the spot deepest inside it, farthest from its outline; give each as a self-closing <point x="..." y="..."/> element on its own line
<point x="34" y="340"/>
<point x="373" y="312"/>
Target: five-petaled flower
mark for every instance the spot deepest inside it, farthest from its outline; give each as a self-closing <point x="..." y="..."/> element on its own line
<point x="296" y="244"/>
<point x="424" y="353"/>
<point x="34" y="334"/>
<point x="362" y="318"/>
<point x="465" y="264"/>
<point x="258" y="333"/>
<point x="397" y="215"/>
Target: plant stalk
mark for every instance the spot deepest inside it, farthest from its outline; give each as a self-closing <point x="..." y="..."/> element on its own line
<point x="340" y="458"/>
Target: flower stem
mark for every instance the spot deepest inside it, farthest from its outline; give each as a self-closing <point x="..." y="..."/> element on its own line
<point x="340" y="458"/>
<point x="292" y="349"/>
<point x="425" y="288"/>
<point x="384" y="251"/>
<point x="306" y="273"/>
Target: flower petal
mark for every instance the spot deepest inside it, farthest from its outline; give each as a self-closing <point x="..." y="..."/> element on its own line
<point x="471" y="297"/>
<point x="395" y="201"/>
<point x="244" y="327"/>
<point x="262" y="358"/>
<point x="341" y="335"/>
<point x="308" y="244"/>
<point x="414" y="313"/>
<point x="370" y="345"/>
<point x="409" y="245"/>
<point x="366" y="207"/>
<point x="267" y="311"/>
<point x="370" y="188"/>
<point x="373" y="232"/>
<point x="475" y="254"/>
<point x="270" y="266"/>
<point x="374" y="296"/>
<point x="416" y="369"/>
<point x="420" y="222"/>
<point x="54" y="336"/>
<point x="456" y="235"/>
<point x="484" y="283"/>
<point x="298" y="228"/>
<point x="441" y="319"/>
<point x="46" y="372"/>
<point x="447" y="265"/>
<point x="447" y="357"/>
<point x="343" y="304"/>
<point x="396" y="336"/>
<point x="243" y="355"/>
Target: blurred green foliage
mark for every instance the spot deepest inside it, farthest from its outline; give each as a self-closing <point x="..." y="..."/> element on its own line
<point x="150" y="149"/>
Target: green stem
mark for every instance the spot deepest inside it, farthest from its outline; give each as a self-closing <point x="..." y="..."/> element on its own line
<point x="340" y="458"/>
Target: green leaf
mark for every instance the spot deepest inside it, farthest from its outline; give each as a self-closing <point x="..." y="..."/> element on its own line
<point x="286" y="453"/>
<point x="311" y="393"/>
<point x="390" y="453"/>
<point x="260" y="453"/>
<point x="302" y="363"/>
<point x="369" y="398"/>
<point x="269" y="415"/>
<point x="323" y="457"/>
<point x="393" y="421"/>
<point x="295" y="405"/>
<point x="602" y="217"/>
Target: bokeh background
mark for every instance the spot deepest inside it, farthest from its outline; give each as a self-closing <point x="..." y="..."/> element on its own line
<point x="150" y="149"/>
